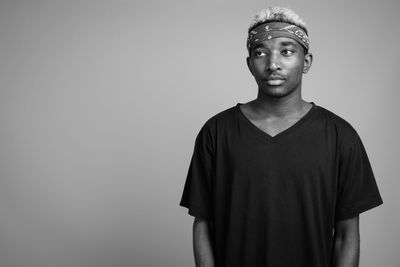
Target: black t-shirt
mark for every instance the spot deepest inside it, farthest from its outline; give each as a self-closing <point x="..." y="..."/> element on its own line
<point x="273" y="201"/>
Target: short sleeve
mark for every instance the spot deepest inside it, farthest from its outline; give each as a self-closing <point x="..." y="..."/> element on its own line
<point x="197" y="192"/>
<point x="358" y="191"/>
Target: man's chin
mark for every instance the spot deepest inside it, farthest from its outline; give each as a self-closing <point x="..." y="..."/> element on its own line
<point x="276" y="92"/>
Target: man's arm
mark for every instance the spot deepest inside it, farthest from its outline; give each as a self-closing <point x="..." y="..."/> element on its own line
<point x="346" y="246"/>
<point x="203" y="254"/>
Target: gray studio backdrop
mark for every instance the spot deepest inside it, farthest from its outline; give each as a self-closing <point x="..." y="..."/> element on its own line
<point x="100" y="102"/>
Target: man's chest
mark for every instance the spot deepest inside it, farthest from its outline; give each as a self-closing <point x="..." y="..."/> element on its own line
<point x="294" y="153"/>
<point x="292" y="168"/>
<point x="273" y="127"/>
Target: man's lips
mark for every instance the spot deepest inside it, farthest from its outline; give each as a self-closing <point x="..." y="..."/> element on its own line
<point x="275" y="77"/>
<point x="275" y="80"/>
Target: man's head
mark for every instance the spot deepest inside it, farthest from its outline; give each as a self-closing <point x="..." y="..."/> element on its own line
<point x="278" y="51"/>
<point x="275" y="21"/>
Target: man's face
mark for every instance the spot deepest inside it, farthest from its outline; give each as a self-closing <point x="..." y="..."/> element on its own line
<point x="278" y="65"/>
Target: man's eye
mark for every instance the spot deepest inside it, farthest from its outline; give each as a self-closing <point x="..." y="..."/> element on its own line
<point x="259" y="53"/>
<point x="287" y="52"/>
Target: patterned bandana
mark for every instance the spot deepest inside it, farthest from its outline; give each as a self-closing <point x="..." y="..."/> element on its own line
<point x="269" y="30"/>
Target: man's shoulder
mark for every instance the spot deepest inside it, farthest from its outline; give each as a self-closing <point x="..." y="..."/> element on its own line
<point x="336" y="122"/>
<point x="217" y="124"/>
<point x="223" y="117"/>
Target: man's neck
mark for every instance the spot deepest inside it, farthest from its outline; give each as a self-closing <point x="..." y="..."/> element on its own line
<point x="290" y="106"/>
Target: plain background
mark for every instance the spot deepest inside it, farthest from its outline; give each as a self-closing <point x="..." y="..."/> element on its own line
<point x="100" y="103"/>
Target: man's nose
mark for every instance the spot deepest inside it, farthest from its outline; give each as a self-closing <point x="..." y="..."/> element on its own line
<point x="274" y="63"/>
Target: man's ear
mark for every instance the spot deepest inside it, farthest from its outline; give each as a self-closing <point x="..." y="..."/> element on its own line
<point x="248" y="64"/>
<point x="308" y="59"/>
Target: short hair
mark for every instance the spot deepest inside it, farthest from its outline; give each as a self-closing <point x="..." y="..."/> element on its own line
<point x="278" y="14"/>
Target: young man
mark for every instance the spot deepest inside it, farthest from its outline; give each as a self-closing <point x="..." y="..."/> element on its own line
<point x="278" y="181"/>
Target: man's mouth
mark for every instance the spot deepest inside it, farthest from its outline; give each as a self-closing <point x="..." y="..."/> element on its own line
<point x="275" y="81"/>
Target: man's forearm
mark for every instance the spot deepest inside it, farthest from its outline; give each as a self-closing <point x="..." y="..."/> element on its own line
<point x="346" y="250"/>
<point x="346" y="253"/>
<point x="203" y="254"/>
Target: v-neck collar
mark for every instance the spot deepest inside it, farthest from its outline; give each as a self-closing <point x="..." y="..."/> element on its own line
<point x="281" y="134"/>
